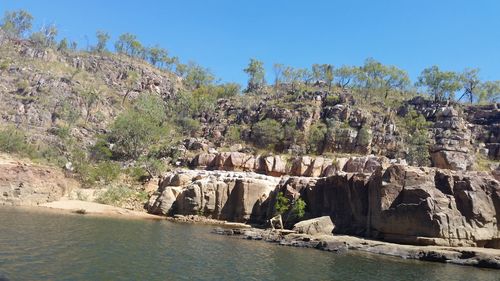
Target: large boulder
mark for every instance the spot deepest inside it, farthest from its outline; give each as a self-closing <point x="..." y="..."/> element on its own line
<point x="317" y="226"/>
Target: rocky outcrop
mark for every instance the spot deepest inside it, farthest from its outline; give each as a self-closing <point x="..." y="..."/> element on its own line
<point x="452" y="148"/>
<point x="23" y="183"/>
<point x="317" y="226"/>
<point x="276" y="165"/>
<point x="229" y="196"/>
<point x="398" y="203"/>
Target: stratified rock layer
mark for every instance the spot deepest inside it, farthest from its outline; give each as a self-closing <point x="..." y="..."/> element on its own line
<point x="423" y="206"/>
<point x="23" y="183"/>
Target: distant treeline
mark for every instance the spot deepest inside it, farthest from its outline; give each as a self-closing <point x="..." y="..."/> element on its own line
<point x="466" y="85"/>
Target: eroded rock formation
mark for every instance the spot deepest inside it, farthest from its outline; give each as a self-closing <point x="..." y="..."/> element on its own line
<point x="398" y="203"/>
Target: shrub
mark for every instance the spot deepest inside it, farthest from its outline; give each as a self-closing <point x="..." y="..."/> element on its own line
<point x="233" y="134"/>
<point x="137" y="128"/>
<point x="105" y="172"/>
<point x="12" y="140"/>
<point x="100" y="150"/>
<point x="282" y="204"/>
<point x="299" y="208"/>
<point x="267" y="133"/>
<point x="364" y="137"/>
<point x="115" y="195"/>
<point x="189" y="126"/>
<point x="316" y="140"/>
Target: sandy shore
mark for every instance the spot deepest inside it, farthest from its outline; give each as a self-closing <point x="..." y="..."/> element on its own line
<point x="94" y="209"/>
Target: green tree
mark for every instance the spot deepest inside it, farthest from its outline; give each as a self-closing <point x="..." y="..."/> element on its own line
<point x="439" y="84"/>
<point x="376" y="76"/>
<point x="137" y="128"/>
<point x="470" y="83"/>
<point x="282" y="204"/>
<point x="317" y="135"/>
<point x="157" y="55"/>
<point x="127" y="44"/>
<point x="345" y="75"/>
<point x="323" y="72"/>
<point x="267" y="133"/>
<point x="299" y="208"/>
<point x="102" y="40"/>
<point x="63" y="45"/>
<point x="489" y="91"/>
<point x="417" y="136"/>
<point x="197" y="76"/>
<point x="17" y="23"/>
<point x="46" y="37"/>
<point x="256" y="74"/>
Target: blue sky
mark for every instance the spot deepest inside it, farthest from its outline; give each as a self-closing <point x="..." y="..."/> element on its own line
<point x="223" y="34"/>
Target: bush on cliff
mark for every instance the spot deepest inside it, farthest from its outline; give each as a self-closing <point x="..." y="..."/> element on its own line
<point x="267" y="133"/>
<point x="137" y="128"/>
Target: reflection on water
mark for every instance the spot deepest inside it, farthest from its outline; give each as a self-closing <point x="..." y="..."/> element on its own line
<point x="36" y="246"/>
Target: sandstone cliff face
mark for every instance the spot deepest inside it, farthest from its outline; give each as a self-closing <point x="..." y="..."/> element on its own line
<point x="277" y="165"/>
<point x="26" y="184"/>
<point x="423" y="206"/>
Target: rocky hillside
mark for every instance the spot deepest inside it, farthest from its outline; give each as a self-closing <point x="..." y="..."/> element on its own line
<point x="398" y="167"/>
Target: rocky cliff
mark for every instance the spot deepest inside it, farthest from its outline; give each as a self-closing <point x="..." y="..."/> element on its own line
<point x="29" y="184"/>
<point x="398" y="203"/>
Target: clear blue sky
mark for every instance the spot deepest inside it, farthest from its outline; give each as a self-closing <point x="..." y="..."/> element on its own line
<point x="223" y="34"/>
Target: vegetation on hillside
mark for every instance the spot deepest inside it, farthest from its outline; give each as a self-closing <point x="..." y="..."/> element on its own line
<point x="143" y="137"/>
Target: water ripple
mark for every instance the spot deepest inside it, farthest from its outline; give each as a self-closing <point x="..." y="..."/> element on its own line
<point x="70" y="247"/>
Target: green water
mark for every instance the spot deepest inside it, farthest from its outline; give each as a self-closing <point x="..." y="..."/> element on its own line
<point x="40" y="246"/>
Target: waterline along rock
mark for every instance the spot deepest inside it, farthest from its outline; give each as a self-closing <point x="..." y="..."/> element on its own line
<point x="397" y="203"/>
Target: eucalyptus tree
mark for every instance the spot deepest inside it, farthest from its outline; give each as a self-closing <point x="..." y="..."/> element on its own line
<point x="439" y="84"/>
<point x="256" y="75"/>
<point x="17" y="23"/>
<point x="470" y="83"/>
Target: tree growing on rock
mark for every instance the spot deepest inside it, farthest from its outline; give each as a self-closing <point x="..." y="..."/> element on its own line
<point x="470" y="83"/>
<point x="256" y="73"/>
<point x="373" y="75"/>
<point x="439" y="84"/>
<point x="17" y="23"/>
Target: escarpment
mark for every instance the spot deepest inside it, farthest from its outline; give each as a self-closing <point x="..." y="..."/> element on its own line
<point x="397" y="203"/>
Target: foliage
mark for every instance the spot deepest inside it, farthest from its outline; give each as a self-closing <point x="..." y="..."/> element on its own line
<point x="45" y="37"/>
<point x="345" y="75"/>
<point x="102" y="40"/>
<point x="100" y="151"/>
<point x="316" y="140"/>
<point x="364" y="137"/>
<point x="440" y="84"/>
<point x="136" y="128"/>
<point x="282" y="204"/>
<point x="256" y="74"/>
<point x="416" y="137"/>
<point x="323" y="72"/>
<point x="189" y="125"/>
<point x="489" y="91"/>
<point x="299" y="208"/>
<point x="105" y="171"/>
<point x="376" y="76"/>
<point x="115" y="195"/>
<point x="12" y="140"/>
<point x="233" y="134"/>
<point x="154" y="167"/>
<point x="267" y="133"/>
<point x="196" y="76"/>
<point x="17" y="23"/>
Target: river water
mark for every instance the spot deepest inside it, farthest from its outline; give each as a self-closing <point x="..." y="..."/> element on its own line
<point x="47" y="246"/>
